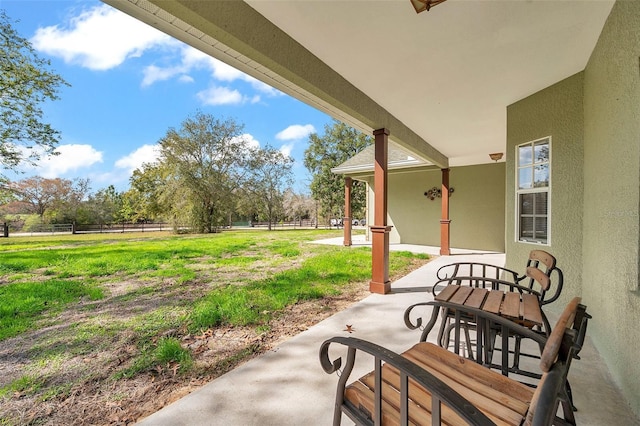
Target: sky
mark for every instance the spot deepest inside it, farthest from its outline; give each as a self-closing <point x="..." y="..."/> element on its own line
<point x="131" y="83"/>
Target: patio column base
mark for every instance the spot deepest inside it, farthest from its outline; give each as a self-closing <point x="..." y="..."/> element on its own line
<point x="445" y="224"/>
<point x="346" y="223"/>
<point x="380" y="282"/>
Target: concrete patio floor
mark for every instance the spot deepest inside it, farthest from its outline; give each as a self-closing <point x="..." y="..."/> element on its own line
<point x="287" y="386"/>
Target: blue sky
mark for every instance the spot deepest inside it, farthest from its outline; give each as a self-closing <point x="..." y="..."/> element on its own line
<point x="131" y="83"/>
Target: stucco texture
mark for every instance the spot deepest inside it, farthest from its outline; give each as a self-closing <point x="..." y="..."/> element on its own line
<point x="557" y="112"/>
<point x="476" y="207"/>
<point x="594" y="121"/>
<point x="611" y="200"/>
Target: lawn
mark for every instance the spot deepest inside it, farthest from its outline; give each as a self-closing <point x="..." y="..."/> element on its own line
<point x="99" y="329"/>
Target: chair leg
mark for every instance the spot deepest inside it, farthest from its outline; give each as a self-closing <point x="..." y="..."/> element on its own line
<point x="445" y="324"/>
<point x="516" y="353"/>
<point x="467" y="336"/>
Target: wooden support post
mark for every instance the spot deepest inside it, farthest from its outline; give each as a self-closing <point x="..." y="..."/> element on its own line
<point x="445" y="223"/>
<point x="346" y="221"/>
<point x="379" y="230"/>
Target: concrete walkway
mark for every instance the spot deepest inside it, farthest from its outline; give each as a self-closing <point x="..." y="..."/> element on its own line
<point x="287" y="386"/>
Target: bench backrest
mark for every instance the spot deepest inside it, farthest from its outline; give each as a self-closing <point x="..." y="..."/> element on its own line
<point x="564" y="342"/>
<point x="541" y="267"/>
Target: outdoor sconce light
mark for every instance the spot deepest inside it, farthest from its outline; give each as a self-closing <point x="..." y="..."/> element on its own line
<point x="495" y="156"/>
<point x="436" y="192"/>
<point x="422" y="5"/>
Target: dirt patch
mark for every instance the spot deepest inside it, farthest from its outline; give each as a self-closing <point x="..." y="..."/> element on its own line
<point x="80" y="374"/>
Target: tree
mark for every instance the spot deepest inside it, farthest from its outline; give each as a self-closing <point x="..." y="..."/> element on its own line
<point x="206" y="163"/>
<point x="339" y="143"/>
<point x="106" y="205"/>
<point x="298" y="206"/>
<point x="25" y="83"/>
<point x="146" y="195"/>
<point x="76" y="198"/>
<point x="41" y="195"/>
<point x="270" y="173"/>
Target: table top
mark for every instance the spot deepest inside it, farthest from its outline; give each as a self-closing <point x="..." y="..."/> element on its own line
<point x="519" y="307"/>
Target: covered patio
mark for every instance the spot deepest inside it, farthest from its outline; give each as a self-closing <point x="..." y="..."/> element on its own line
<point x="467" y="79"/>
<point x="287" y="386"/>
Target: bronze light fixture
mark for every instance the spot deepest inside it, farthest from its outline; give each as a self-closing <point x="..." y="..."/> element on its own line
<point x="495" y="156"/>
<point x="422" y="5"/>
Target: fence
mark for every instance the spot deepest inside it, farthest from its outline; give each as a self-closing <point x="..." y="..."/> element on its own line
<point x="42" y="229"/>
<point x="122" y="227"/>
<point x="68" y="228"/>
<point x="303" y="223"/>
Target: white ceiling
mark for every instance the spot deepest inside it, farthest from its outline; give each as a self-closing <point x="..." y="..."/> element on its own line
<point x="449" y="73"/>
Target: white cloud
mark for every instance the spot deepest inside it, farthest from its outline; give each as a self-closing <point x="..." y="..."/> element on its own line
<point x="295" y="132"/>
<point x="221" y="96"/>
<point x="287" y="148"/>
<point x="102" y="38"/>
<point x="192" y="59"/>
<point x="135" y="160"/>
<point x="248" y="138"/>
<point x="99" y="38"/>
<point x="153" y="74"/>
<point x="71" y="157"/>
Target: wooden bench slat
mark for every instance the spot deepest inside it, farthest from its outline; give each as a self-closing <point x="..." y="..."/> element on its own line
<point x="493" y="301"/>
<point x="531" y="309"/>
<point x="363" y="397"/>
<point x="502" y="407"/>
<point x="476" y="298"/>
<point x="446" y="293"/>
<point x="480" y="373"/>
<point x="420" y="414"/>
<point x="511" y="305"/>
<point x="461" y="295"/>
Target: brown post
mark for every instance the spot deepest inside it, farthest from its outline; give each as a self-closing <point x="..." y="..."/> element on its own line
<point x="380" y="231"/>
<point x="445" y="223"/>
<point x="346" y="221"/>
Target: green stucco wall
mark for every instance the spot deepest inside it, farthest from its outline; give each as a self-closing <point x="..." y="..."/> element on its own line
<point x="557" y="112"/>
<point x="611" y="200"/>
<point x="476" y="208"/>
<point x="594" y="121"/>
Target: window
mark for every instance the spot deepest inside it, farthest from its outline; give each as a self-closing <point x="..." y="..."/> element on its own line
<point x="533" y="182"/>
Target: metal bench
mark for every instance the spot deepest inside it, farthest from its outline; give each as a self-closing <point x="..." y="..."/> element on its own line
<point x="429" y="385"/>
<point x="542" y="282"/>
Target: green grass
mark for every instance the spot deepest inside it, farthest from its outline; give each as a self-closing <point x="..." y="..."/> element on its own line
<point x="123" y="294"/>
<point x="169" y="350"/>
<point x="27" y="384"/>
<point x="24" y="302"/>
<point x="257" y="301"/>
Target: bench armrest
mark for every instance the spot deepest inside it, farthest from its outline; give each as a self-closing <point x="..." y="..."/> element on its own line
<point x="476" y="269"/>
<point x="440" y="391"/>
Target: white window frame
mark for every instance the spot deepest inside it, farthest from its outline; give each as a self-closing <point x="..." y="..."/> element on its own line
<point x="532" y="190"/>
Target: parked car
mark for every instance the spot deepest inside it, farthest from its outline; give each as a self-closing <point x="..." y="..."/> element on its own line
<point x="336" y="222"/>
<point x="363" y="222"/>
<point x="355" y="222"/>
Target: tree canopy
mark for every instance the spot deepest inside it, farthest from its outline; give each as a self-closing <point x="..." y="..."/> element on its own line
<point x="25" y="83"/>
<point x="269" y="175"/>
<point x="208" y="174"/>
<point x="205" y="163"/>
<point x="339" y="143"/>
